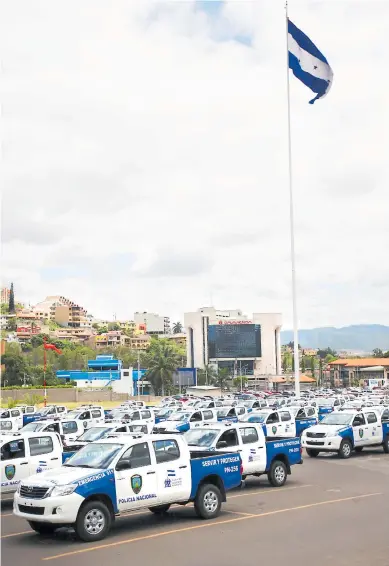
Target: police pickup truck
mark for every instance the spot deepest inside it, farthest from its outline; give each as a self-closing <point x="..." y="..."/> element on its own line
<point x="68" y="429"/>
<point x="259" y="455"/>
<point x="283" y="423"/>
<point x="345" y="431"/>
<point x="120" y="475"/>
<point x="25" y="454"/>
<point x="49" y="412"/>
<point x="232" y="414"/>
<point x="181" y="421"/>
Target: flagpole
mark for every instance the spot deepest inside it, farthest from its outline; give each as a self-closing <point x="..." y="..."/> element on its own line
<point x="291" y="215"/>
<point x="44" y="370"/>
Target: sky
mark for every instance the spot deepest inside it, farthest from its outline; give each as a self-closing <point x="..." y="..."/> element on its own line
<point x="145" y="158"/>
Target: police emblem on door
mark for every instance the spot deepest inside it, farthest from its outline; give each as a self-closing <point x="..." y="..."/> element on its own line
<point x="274" y="429"/>
<point x="360" y="432"/>
<point x="10" y="471"/>
<point x="136" y="484"/>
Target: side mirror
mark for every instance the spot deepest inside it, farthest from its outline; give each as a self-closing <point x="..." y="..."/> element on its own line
<point x="221" y="444"/>
<point x="123" y="465"/>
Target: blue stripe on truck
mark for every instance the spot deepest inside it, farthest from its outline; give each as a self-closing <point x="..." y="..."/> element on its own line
<point x="226" y="466"/>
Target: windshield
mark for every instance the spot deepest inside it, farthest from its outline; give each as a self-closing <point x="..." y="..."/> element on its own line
<point x="33" y="427"/>
<point x="325" y="402"/>
<point x="294" y="410"/>
<point x="259" y="417"/>
<point x="96" y="456"/>
<point x="95" y="433"/>
<point x="247" y="404"/>
<point x="47" y="411"/>
<point x="201" y="437"/>
<point x="337" y="419"/>
<point x="164" y="412"/>
<point x="179" y="417"/>
<point x="73" y="414"/>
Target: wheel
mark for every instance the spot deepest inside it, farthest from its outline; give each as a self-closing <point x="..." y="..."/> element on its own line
<point x="312" y="453"/>
<point x="93" y="521"/>
<point x="208" y="501"/>
<point x="277" y="474"/>
<point x="345" y="449"/>
<point x="386" y="444"/>
<point x="42" y="528"/>
<point x="359" y="449"/>
<point x="160" y="509"/>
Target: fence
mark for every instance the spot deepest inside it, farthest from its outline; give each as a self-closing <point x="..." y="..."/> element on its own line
<point x="64" y="395"/>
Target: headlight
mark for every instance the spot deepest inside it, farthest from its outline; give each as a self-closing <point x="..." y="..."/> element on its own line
<point x="62" y="490"/>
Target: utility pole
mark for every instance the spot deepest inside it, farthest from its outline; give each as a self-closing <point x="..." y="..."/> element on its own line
<point x="137" y="381"/>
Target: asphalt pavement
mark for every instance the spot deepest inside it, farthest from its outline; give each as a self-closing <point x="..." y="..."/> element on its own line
<point x="329" y="510"/>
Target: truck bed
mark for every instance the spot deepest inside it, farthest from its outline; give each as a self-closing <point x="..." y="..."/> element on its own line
<point x="225" y="465"/>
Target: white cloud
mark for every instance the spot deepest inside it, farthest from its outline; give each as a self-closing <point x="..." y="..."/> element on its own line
<point x="144" y="158"/>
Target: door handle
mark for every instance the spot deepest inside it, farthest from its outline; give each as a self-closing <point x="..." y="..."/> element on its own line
<point x="181" y="467"/>
<point x="54" y="458"/>
<point x="148" y="473"/>
<point x="23" y="463"/>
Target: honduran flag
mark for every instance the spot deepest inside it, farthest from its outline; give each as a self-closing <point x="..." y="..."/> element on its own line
<point x="308" y="63"/>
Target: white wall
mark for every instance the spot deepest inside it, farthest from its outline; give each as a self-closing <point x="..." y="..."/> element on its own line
<point x="154" y="322"/>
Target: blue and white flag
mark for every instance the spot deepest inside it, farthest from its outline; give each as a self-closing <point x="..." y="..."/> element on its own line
<point x="307" y="63"/>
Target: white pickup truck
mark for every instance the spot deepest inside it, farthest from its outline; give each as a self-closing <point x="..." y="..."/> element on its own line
<point x="345" y="431"/>
<point x="25" y="454"/>
<point x="282" y="423"/>
<point x="68" y="430"/>
<point x="184" y="420"/>
<point x="11" y="419"/>
<point x="119" y="475"/>
<point x="259" y="455"/>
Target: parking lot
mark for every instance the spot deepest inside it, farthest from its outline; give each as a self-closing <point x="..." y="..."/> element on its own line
<point x="330" y="509"/>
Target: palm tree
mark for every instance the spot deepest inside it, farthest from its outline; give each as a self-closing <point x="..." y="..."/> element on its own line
<point x="177" y="327"/>
<point x="162" y="361"/>
<point x="206" y="376"/>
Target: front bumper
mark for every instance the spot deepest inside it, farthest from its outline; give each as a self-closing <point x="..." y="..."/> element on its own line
<point x="59" y="510"/>
<point x="328" y="443"/>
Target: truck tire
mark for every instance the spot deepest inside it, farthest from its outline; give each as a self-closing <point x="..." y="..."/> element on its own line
<point x="208" y="501"/>
<point x="160" y="509"/>
<point x="359" y="449"/>
<point x="385" y="444"/>
<point x="93" y="521"/>
<point x="42" y="528"/>
<point x="277" y="474"/>
<point x="312" y="453"/>
<point x="345" y="449"/>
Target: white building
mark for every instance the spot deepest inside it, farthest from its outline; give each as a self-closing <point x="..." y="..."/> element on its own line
<point x="155" y="324"/>
<point x="247" y="346"/>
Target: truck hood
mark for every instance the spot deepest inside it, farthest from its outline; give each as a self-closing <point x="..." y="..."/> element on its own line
<point x="330" y="430"/>
<point x="60" y="476"/>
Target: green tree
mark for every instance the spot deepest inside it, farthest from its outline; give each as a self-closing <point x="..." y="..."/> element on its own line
<point x="11" y="303"/>
<point x="177" y="327"/>
<point x="206" y="376"/>
<point x="313" y="364"/>
<point x="284" y="363"/>
<point x="162" y="360"/>
<point x="240" y="382"/>
<point x="12" y="324"/>
<point x="113" y="326"/>
<point x="4" y="308"/>
<point x="15" y="368"/>
<point x="11" y="403"/>
<point x="378" y="353"/>
<point x="303" y="364"/>
<point x="323" y="353"/>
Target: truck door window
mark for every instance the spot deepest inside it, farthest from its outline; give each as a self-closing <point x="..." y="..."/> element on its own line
<point x="285" y="416"/>
<point x="249" y="435"/>
<point x="40" y="445"/>
<point x="135" y="416"/>
<point x="60" y="409"/>
<point x="12" y="450"/>
<point x="51" y="411"/>
<point x="310" y="412"/>
<point x="359" y="420"/>
<point x="137" y="456"/>
<point x="146" y="414"/>
<point x="195" y="417"/>
<point x="96" y="414"/>
<point x="230" y="437"/>
<point x="166" y="451"/>
<point x="273" y="418"/>
<point x="371" y="418"/>
<point x="121" y="429"/>
<point x="385" y="415"/>
<point x="239" y="410"/>
<point x="54" y="427"/>
<point x="300" y="414"/>
<point x="15" y="414"/>
<point x="207" y="415"/>
<point x="69" y="427"/>
<point x="85" y="416"/>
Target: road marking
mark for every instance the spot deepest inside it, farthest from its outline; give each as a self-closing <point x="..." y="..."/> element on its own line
<point x="272" y="490"/>
<point x="247" y="494"/>
<point x="206" y="525"/>
<point x="239" y="513"/>
<point x="16" y="534"/>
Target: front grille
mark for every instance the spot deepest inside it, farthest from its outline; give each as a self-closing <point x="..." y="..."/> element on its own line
<point x="315" y="443"/>
<point x="32" y="492"/>
<point x="316" y="434"/>
<point x="31" y="510"/>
